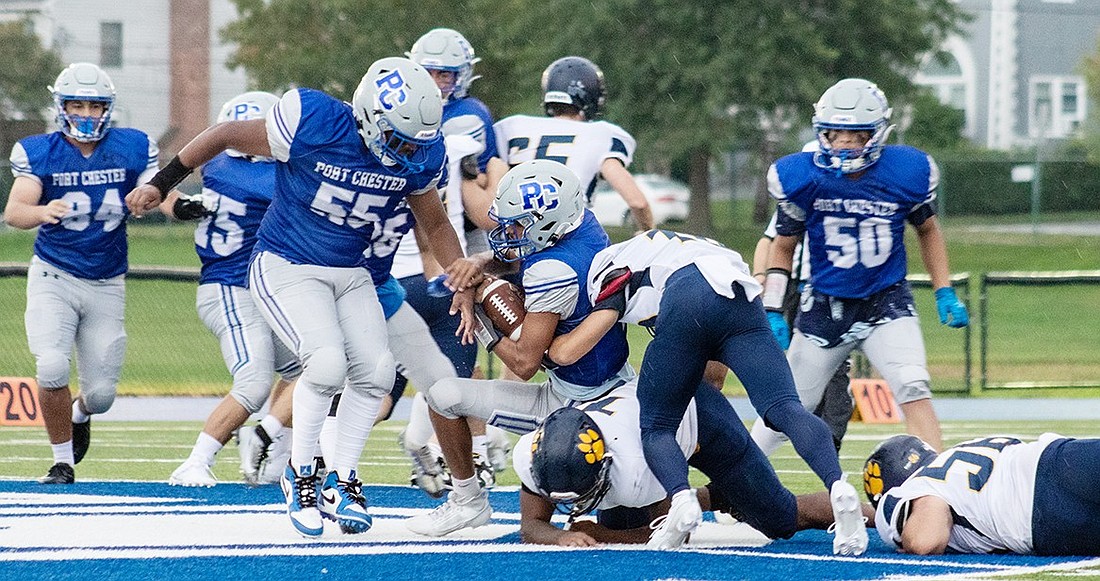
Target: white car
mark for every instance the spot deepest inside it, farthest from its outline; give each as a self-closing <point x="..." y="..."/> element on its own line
<point x="667" y="197"/>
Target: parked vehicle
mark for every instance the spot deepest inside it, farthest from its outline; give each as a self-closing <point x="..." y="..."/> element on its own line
<point x="667" y="197"/>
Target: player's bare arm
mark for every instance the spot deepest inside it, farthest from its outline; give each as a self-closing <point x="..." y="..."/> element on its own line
<point x="928" y="527"/>
<point x="245" y="136"/>
<point x="933" y="252"/>
<point x="567" y="349"/>
<point x="477" y="194"/>
<point x="524" y="357"/>
<point x="23" y="210"/>
<point x="535" y="526"/>
<point x="623" y="182"/>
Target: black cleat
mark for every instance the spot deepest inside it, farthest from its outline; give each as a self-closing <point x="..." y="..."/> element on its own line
<point x="82" y="438"/>
<point x="59" y="473"/>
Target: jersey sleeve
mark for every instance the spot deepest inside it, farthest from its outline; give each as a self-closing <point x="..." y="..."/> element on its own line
<point x="622" y="145"/>
<point x="785" y="183"/>
<point x="152" y="163"/>
<point x="476" y="122"/>
<point x="282" y="124"/>
<point x="21" y="164"/>
<point x="550" y="286"/>
<point x="927" y="207"/>
<point x="521" y="460"/>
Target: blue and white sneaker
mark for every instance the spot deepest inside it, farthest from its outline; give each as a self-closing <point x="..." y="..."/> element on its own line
<point x="300" y="488"/>
<point x="343" y="501"/>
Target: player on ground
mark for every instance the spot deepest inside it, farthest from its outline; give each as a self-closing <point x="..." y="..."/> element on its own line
<point x="69" y="184"/>
<point x="237" y="190"/>
<point x="573" y="97"/>
<point x="342" y="171"/>
<point x="578" y="461"/>
<point x="701" y="304"/>
<point x="991" y="495"/>
<point x="852" y="198"/>
<point x="545" y="230"/>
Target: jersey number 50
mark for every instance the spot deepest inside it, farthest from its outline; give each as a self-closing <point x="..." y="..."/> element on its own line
<point x="870" y="247"/>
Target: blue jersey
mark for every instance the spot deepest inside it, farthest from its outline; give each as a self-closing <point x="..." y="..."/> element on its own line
<point x="90" y="241"/>
<point x="577" y="250"/>
<point x="855" y="225"/>
<point x="242" y="191"/>
<point x="469" y="116"/>
<point x="331" y="193"/>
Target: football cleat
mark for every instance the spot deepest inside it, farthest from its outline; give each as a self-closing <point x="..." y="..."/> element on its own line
<point x="499" y="448"/>
<point x="193" y="473"/>
<point x="59" y="473"/>
<point x="453" y="515"/>
<point x="278" y="456"/>
<point x="850" y="532"/>
<point x="486" y="476"/>
<point x="254" y="445"/>
<point x="427" y="469"/>
<point x="82" y="438"/>
<point x="300" y="489"/>
<point x="342" y="501"/>
<point x="671" y="531"/>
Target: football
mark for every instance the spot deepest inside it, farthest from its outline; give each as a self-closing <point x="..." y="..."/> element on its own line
<point x="503" y="303"/>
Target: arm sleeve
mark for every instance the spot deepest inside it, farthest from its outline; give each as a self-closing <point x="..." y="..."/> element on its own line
<point x="282" y="124"/>
<point x="550" y="286"/>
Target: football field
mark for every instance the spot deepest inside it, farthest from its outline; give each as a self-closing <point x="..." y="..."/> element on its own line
<point x="121" y="521"/>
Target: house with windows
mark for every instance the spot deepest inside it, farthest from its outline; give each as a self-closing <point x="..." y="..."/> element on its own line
<point x="1016" y="71"/>
<point x="165" y="57"/>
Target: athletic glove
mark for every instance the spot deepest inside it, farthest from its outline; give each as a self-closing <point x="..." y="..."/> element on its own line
<point x="780" y="329"/>
<point x="613" y="291"/>
<point x="192" y="207"/>
<point x="952" y="312"/>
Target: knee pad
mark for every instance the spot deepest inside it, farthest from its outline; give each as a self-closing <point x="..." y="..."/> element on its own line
<point x="783" y="414"/>
<point x="97" y="399"/>
<point x="250" y="397"/>
<point x="326" y="370"/>
<point x="53" y="370"/>
<point x="445" y="397"/>
<point x="384" y="375"/>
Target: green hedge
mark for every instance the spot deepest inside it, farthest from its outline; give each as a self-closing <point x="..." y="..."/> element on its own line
<point x="972" y="187"/>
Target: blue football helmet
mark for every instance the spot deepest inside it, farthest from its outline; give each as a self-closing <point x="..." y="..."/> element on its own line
<point x="892" y="462"/>
<point x="399" y="111"/>
<point x="575" y="81"/>
<point x="443" y="49"/>
<point x="537" y="202"/>
<point x="570" y="462"/>
<point x="855" y="105"/>
<point x="83" y="82"/>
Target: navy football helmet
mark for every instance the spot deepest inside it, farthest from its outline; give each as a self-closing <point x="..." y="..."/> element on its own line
<point x="575" y="81"/>
<point x="892" y="462"/>
<point x="569" y="462"/>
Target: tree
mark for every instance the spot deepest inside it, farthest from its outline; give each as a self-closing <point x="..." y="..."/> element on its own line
<point x="27" y="72"/>
<point x="1090" y="139"/>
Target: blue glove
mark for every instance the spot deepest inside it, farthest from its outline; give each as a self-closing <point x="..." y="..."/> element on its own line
<point x="437" y="289"/>
<point x="780" y="328"/>
<point x="952" y="312"/>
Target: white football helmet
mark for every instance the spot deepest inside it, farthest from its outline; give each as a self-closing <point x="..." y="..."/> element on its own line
<point x="247" y="107"/>
<point x="83" y="82"/>
<point x="537" y="202"/>
<point x="443" y="49"/>
<point x="856" y="105"/>
<point x="399" y="111"/>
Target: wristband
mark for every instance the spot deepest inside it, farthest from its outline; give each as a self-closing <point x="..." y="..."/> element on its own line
<point x="775" y="288"/>
<point x="170" y="176"/>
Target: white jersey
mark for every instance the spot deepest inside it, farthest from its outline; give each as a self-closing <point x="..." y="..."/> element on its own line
<point x="616" y="414"/>
<point x="990" y="485"/>
<point x="581" y="145"/>
<point x="654" y="255"/>
<point x="406" y="260"/>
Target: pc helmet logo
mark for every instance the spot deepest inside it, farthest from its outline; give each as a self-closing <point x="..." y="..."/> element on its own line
<point x="391" y="90"/>
<point x="539" y="196"/>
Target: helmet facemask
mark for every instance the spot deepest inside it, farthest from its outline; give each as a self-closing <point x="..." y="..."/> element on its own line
<point x="576" y="504"/>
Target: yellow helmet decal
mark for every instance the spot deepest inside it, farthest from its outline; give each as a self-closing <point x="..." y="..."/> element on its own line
<point x="591" y="445"/>
<point x="872" y="479"/>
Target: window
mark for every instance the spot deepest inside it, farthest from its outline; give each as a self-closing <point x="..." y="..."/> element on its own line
<point x="110" y="44"/>
<point x="1056" y="107"/>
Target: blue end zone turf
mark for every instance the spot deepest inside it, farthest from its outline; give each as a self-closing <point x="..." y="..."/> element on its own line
<point x="140" y="530"/>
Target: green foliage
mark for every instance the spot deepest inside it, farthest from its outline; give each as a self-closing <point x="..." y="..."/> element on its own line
<point x="934" y="124"/>
<point x="28" y="69"/>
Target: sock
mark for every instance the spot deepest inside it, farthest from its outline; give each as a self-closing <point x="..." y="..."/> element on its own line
<point x="481" y="448"/>
<point x="766" y="438"/>
<point x="326" y="444"/>
<point x="206" y="446"/>
<point x="79" y="417"/>
<point x="310" y="409"/>
<point x="354" y="420"/>
<point x="272" y="426"/>
<point x="466" y="487"/>
<point x="63" y="453"/>
<point x="420" y="429"/>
